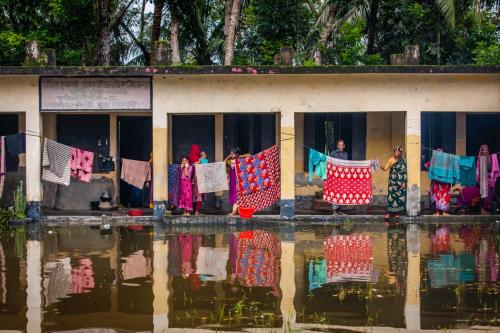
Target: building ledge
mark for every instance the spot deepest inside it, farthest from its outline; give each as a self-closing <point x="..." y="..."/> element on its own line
<point x="243" y="70"/>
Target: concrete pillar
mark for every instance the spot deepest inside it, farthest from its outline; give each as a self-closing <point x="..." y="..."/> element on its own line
<point x="34" y="289"/>
<point x="412" y="305"/>
<point x="219" y="143"/>
<point x="413" y="142"/>
<point x="34" y="191"/>
<point x="160" y="286"/>
<point x="299" y="142"/>
<point x="160" y="153"/>
<point x="287" y="284"/>
<point x="287" y="163"/>
<point x="461" y="133"/>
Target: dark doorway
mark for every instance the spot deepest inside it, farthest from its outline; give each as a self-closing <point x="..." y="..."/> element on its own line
<point x="482" y="129"/>
<point x="197" y="129"/>
<point x="9" y="124"/>
<point x="438" y="131"/>
<point x="322" y="130"/>
<point x="252" y="133"/>
<point x="135" y="142"/>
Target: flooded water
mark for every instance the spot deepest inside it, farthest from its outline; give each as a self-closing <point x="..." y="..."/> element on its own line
<point x="139" y="278"/>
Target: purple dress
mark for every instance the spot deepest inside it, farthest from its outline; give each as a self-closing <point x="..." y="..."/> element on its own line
<point x="186" y="190"/>
<point x="233" y="191"/>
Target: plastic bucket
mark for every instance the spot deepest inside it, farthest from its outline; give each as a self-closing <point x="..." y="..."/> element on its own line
<point x="135" y="212"/>
<point x="246" y="212"/>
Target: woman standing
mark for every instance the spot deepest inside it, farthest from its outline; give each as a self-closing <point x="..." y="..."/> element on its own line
<point x="230" y="160"/>
<point x="440" y="194"/>
<point x="487" y="173"/>
<point x="194" y="158"/>
<point x="396" y="196"/>
<point x="186" y="187"/>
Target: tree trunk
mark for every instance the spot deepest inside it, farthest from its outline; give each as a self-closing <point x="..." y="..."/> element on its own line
<point x="143" y="21"/>
<point x="156" y="27"/>
<point x="325" y="34"/>
<point x="231" y="32"/>
<point x="174" y="33"/>
<point x="105" y="33"/>
<point x="372" y="26"/>
<point x="227" y="15"/>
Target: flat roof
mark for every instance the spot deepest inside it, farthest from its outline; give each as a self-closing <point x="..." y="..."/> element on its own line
<point x="239" y="70"/>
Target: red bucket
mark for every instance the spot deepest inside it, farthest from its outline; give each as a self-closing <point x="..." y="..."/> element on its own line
<point x="135" y="212"/>
<point x="246" y="212"/>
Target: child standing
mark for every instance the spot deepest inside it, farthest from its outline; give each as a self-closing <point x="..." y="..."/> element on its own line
<point x="186" y="189"/>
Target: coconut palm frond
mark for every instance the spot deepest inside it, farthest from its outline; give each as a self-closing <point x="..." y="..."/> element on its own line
<point x="447" y="8"/>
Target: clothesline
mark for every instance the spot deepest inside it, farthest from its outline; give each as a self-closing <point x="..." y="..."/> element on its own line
<point x="454" y="154"/>
<point x="98" y="154"/>
<point x="376" y="157"/>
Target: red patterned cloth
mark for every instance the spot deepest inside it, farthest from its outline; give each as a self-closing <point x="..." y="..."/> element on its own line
<point x="348" y="182"/>
<point x="258" y="260"/>
<point x="253" y="174"/>
<point x="349" y="257"/>
<point x="82" y="162"/>
<point x="262" y="199"/>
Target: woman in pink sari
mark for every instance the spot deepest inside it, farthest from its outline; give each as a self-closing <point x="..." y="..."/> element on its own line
<point x="194" y="158"/>
<point x="186" y="188"/>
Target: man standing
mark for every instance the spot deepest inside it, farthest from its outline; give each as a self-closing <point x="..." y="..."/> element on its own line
<point x="341" y="154"/>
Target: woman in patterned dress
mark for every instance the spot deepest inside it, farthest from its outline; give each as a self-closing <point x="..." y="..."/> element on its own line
<point x="396" y="196"/>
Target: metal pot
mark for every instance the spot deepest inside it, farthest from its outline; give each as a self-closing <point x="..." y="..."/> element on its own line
<point x="106" y="196"/>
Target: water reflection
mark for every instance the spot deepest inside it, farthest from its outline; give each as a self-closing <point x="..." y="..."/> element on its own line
<point x="144" y="279"/>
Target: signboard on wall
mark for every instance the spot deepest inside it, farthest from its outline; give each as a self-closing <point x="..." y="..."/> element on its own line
<point x="95" y="94"/>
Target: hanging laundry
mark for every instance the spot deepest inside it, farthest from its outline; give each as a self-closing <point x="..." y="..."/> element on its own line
<point x="174" y="179"/>
<point x="317" y="161"/>
<point x="467" y="170"/>
<point x="495" y="171"/>
<point x="253" y="174"/>
<point x="81" y="164"/>
<point x="211" y="177"/>
<point x="483" y="176"/>
<point x="3" y="164"/>
<point x="58" y="155"/>
<point x="262" y="199"/>
<point x="349" y="258"/>
<point x="57" y="280"/>
<point x="348" y="182"/>
<point x="104" y="163"/>
<point x="136" y="173"/>
<point x="374" y="165"/>
<point x="136" y="266"/>
<point x="317" y="273"/>
<point x="444" y="167"/>
<point x="58" y="160"/>
<point x="258" y="263"/>
<point x="212" y="263"/>
<point x="16" y="144"/>
<point x="82" y="277"/>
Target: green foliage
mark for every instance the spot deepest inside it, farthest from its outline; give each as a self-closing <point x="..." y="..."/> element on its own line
<point x="19" y="203"/>
<point x="5" y="216"/>
<point x="447" y="31"/>
<point x="487" y="54"/>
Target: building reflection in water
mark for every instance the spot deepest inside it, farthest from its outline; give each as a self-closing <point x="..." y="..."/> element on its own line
<point x="144" y="279"/>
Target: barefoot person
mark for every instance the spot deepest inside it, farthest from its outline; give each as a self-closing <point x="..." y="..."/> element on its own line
<point x="341" y="154"/>
<point x="230" y="160"/>
<point x="396" y="196"/>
